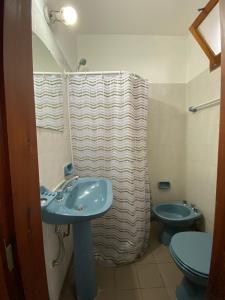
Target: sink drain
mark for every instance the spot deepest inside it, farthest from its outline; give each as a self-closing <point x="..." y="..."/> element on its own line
<point x="79" y="208"/>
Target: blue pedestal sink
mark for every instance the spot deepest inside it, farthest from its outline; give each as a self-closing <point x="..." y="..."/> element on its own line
<point x="78" y="202"/>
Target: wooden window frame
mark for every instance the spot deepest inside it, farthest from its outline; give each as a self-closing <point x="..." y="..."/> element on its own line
<point x="215" y="60"/>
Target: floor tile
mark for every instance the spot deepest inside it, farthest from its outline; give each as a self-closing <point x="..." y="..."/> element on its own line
<point x="68" y="293"/>
<point x="155" y="294"/>
<point x="154" y="241"/>
<point x="156" y="228"/>
<point x="148" y="258"/>
<point x="126" y="277"/>
<point x="106" y="295"/>
<point x="153" y="277"/>
<point x="171" y="275"/>
<point x="128" y="295"/>
<point x="149" y="276"/>
<point x="105" y="277"/>
<point x="172" y="293"/>
<point x="162" y="254"/>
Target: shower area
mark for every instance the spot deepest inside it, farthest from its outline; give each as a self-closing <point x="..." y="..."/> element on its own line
<point x="106" y="117"/>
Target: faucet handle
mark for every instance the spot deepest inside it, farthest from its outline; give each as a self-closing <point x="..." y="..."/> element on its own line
<point x="192" y="206"/>
<point x="196" y="210"/>
<point x="184" y="202"/>
<point x="59" y="196"/>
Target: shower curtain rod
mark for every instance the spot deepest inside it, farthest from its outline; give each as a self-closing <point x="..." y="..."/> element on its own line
<point x="103" y="73"/>
<point x="88" y="73"/>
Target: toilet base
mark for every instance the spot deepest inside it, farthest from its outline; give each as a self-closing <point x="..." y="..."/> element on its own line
<point x="188" y="290"/>
<point x="168" y="232"/>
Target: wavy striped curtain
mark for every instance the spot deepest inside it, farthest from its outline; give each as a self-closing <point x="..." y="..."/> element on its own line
<point x="49" y="99"/>
<point x="109" y="131"/>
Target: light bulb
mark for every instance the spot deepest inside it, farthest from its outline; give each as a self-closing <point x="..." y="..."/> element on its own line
<point x="69" y="15"/>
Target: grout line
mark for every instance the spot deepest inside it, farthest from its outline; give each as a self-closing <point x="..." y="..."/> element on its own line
<point x="138" y="278"/>
<point x="164" y="285"/>
<point x="114" y="279"/>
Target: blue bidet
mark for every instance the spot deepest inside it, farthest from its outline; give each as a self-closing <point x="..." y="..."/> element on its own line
<point x="175" y="217"/>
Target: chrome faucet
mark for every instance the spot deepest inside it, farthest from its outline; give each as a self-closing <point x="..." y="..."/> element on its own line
<point x="67" y="184"/>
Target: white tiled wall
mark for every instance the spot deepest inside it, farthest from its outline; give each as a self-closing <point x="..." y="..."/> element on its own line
<point x="166" y="140"/>
<point x="54" y="151"/>
<point x="202" y="144"/>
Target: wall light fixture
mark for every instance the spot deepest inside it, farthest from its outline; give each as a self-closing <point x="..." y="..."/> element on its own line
<point x="66" y="15"/>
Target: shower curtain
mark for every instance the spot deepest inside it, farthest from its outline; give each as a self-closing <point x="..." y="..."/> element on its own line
<point x="108" y="116"/>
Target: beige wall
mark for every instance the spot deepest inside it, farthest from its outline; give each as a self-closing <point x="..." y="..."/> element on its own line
<point x="59" y="39"/>
<point x="43" y="31"/>
<point x="182" y="145"/>
<point x="54" y="151"/>
<point x="178" y="75"/>
<point x="197" y="61"/>
<point x="161" y="60"/>
<point x="42" y="58"/>
<point x="167" y="140"/>
<point x="202" y="129"/>
<point x="202" y="144"/>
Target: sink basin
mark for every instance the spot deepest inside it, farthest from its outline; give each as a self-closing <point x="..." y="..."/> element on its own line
<point x="78" y="203"/>
<point x="83" y="200"/>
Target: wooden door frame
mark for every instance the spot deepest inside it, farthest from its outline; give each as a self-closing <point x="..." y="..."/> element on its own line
<point x="19" y="179"/>
<point x="216" y="288"/>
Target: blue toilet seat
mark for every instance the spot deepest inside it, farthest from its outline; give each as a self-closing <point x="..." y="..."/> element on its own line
<point x="188" y="270"/>
<point x="192" y="252"/>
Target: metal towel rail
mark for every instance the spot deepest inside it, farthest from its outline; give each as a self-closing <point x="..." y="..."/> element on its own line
<point x="207" y="104"/>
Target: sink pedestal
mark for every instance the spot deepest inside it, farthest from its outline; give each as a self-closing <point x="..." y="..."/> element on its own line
<point x="84" y="264"/>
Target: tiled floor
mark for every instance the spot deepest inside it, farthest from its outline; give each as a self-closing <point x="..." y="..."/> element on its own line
<point x="154" y="277"/>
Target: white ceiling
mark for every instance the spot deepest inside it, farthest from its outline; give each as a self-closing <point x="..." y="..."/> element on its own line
<point x="158" y="17"/>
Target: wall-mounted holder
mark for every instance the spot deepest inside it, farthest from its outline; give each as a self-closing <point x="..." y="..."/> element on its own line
<point x="164" y="185"/>
<point x="68" y="170"/>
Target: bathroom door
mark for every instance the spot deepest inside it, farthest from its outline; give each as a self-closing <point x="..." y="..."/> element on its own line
<point x="22" y="267"/>
<point x="216" y="289"/>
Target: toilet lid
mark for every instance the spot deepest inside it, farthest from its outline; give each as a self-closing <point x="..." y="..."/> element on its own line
<point x="193" y="250"/>
<point x="186" y="268"/>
